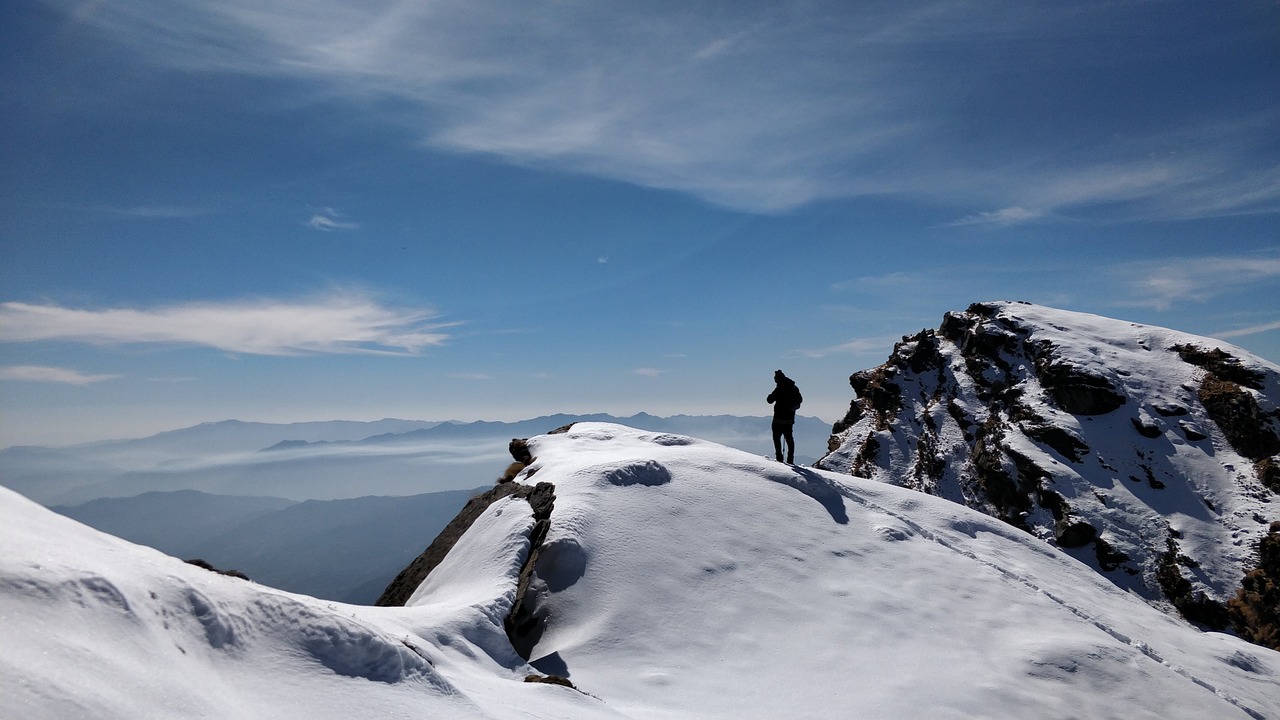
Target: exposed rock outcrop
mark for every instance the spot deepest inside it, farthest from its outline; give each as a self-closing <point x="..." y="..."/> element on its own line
<point x="1255" y="610"/>
<point x="541" y="497"/>
<point x="1147" y="453"/>
<point x="520" y="623"/>
<point x="200" y="563"/>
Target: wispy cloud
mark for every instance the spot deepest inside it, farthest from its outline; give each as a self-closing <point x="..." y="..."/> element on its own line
<point x="1159" y="285"/>
<point x="857" y="346"/>
<point x="647" y="372"/>
<point x="39" y="373"/>
<point x="893" y="280"/>
<point x="1251" y="330"/>
<point x="329" y="220"/>
<point x="343" y="323"/>
<point x="699" y="101"/>
<point x="474" y="376"/>
<point x="159" y="212"/>
<point x="1000" y="218"/>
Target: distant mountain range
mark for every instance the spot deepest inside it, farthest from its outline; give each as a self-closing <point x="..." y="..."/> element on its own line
<point x="345" y="550"/>
<point x="332" y="460"/>
<point x="330" y="509"/>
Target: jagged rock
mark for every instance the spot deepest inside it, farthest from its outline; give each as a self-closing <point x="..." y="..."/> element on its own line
<point x="1074" y="532"/>
<point x="1067" y="443"/>
<point x="1191" y="432"/>
<point x="229" y="573"/>
<point x="549" y="680"/>
<point x="1078" y="391"/>
<point x="1010" y="409"/>
<point x="1268" y="470"/>
<point x="1221" y="364"/>
<point x="541" y="497"/>
<point x="1166" y="410"/>
<point x="924" y="354"/>
<point x="1146" y="429"/>
<point x="1194" y="605"/>
<point x="519" y="449"/>
<point x="878" y="389"/>
<point x="1237" y="414"/>
<point x="1109" y="559"/>
<point x="1255" y="610"/>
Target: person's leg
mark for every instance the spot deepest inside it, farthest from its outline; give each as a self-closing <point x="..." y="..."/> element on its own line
<point x="778" y="429"/>
<point x="791" y="442"/>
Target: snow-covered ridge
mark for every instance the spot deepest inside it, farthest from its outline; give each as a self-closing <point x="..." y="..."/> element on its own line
<point x="679" y="579"/>
<point x="1142" y="451"/>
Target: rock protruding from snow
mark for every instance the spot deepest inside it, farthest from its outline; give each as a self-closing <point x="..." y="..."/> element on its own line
<point x="541" y="498"/>
<point x="1148" y="453"/>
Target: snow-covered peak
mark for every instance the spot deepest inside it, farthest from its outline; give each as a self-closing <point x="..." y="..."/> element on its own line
<point x="678" y="579"/>
<point x="1143" y="451"/>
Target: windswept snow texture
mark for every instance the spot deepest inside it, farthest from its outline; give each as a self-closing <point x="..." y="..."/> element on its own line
<point x="1088" y="432"/>
<point x="680" y="579"/>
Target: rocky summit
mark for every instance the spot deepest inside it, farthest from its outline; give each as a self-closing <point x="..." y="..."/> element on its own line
<point x="1149" y="454"/>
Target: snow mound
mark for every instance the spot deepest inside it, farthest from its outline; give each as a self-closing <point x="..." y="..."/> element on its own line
<point x="742" y="587"/>
<point x="96" y="627"/>
<point x="679" y="579"/>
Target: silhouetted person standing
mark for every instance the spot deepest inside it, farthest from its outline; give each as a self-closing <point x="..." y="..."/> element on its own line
<point x="786" y="400"/>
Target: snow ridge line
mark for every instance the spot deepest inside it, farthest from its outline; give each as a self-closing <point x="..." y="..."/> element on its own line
<point x="1138" y="645"/>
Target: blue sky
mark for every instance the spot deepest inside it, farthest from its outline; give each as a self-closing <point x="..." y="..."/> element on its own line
<point x="492" y="210"/>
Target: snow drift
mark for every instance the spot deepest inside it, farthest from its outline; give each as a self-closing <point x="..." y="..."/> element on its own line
<point x="678" y="579"/>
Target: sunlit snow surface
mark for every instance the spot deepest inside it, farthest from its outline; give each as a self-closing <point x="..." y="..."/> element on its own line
<point x="680" y="579"/>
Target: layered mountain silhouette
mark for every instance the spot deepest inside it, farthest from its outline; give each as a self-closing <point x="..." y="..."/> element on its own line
<point x="329" y="460"/>
<point x="345" y="550"/>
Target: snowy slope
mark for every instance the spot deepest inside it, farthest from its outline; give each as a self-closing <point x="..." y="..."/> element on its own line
<point x="679" y="579"/>
<point x="1141" y="450"/>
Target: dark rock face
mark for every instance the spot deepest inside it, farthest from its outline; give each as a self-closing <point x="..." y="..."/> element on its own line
<point x="1074" y="533"/>
<point x="1085" y="432"/>
<point x="205" y="565"/>
<point x="1237" y="413"/>
<point x="1068" y="444"/>
<point x="1079" y="392"/>
<point x="1268" y="470"/>
<point x="1255" y="610"/>
<point x="1194" y="605"/>
<point x="524" y="626"/>
<point x="1221" y="364"/>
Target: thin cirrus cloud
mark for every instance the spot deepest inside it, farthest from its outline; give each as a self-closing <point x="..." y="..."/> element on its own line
<point x="44" y="374"/>
<point x="1161" y="284"/>
<point x="1246" y="331"/>
<point x="761" y="109"/>
<point x="1000" y="218"/>
<point x="857" y="346"/>
<point x="342" y="324"/>
<point x="330" y="220"/>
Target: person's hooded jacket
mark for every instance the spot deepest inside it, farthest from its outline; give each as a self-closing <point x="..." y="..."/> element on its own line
<point x="786" y="400"/>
